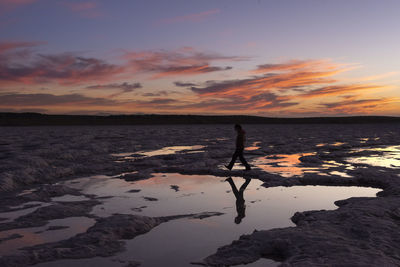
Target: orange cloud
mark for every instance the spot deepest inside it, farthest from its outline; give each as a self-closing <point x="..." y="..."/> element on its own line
<point x="268" y="82"/>
<point x="359" y="106"/>
<point x="295" y="65"/>
<point x="305" y="87"/>
<point x="282" y="86"/>
<point x="339" y="90"/>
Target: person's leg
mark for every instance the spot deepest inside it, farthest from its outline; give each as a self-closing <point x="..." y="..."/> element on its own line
<point x="233" y="186"/>
<point x="234" y="157"/>
<point x="243" y="160"/>
<point x="244" y="185"/>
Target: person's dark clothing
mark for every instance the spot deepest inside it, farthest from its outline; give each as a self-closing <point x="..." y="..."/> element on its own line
<point x="240" y="139"/>
<point x="238" y="153"/>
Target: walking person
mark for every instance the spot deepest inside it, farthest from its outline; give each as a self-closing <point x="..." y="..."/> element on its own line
<point x="240" y="140"/>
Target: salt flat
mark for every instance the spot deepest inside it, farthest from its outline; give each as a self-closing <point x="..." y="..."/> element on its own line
<point x="45" y="179"/>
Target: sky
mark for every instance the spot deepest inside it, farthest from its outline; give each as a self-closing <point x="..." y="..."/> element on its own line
<point x="297" y="58"/>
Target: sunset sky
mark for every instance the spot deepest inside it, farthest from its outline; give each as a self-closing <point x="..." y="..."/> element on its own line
<point x="267" y="57"/>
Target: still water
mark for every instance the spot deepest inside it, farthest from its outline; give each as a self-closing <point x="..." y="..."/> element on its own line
<point x="180" y="242"/>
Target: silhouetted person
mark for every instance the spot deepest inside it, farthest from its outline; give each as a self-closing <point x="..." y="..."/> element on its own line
<point x="240" y="206"/>
<point x="240" y="139"/>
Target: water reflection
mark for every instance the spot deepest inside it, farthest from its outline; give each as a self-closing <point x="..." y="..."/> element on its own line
<point x="55" y="230"/>
<point x="240" y="202"/>
<point x="332" y="144"/>
<point x="388" y="157"/>
<point x="290" y="165"/>
<point x="195" y="239"/>
<point x="284" y="165"/>
<point x="159" y="152"/>
<point x="253" y="146"/>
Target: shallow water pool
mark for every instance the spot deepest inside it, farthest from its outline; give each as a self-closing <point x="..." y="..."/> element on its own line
<point x="387" y="157"/>
<point x="180" y="242"/>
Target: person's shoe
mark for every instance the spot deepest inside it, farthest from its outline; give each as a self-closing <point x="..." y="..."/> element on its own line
<point x="228" y="167"/>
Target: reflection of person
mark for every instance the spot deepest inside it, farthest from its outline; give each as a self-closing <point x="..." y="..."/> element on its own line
<point x="240" y="206"/>
<point x="240" y="139"/>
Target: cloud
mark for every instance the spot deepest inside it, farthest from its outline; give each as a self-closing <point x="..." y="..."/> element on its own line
<point x="26" y="100"/>
<point x="155" y="104"/>
<point x="360" y="106"/>
<point x="266" y="101"/>
<point x="268" y="82"/>
<point x="161" y="101"/>
<point x="279" y="87"/>
<point x="9" y="46"/>
<point x="339" y="90"/>
<point x="159" y="93"/>
<point x="84" y="9"/>
<point x="123" y="87"/>
<point x="184" y="84"/>
<point x="18" y="64"/>
<point x="187" y="70"/>
<point x="301" y="86"/>
<point x="295" y="65"/>
<point x="195" y="17"/>
<point x="184" y="61"/>
<point x="353" y="103"/>
<point x="126" y="87"/>
<point x="35" y="110"/>
<point x="295" y="75"/>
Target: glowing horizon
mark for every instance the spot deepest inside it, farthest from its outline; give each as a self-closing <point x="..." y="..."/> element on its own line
<point x="221" y="67"/>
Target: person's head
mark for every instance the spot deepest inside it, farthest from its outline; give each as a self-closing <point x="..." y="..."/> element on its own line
<point x="238" y="127"/>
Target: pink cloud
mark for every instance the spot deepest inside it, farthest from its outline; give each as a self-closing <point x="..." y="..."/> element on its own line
<point x="184" y="61"/>
<point x="7" y="46"/>
<point x="18" y="64"/>
<point x="190" y="17"/>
